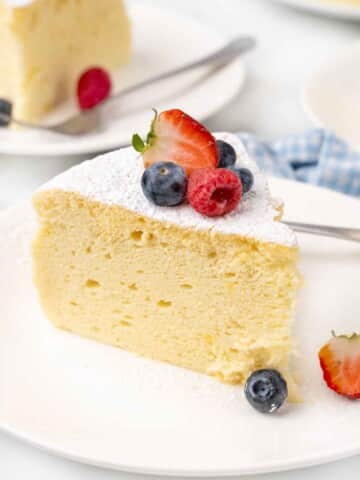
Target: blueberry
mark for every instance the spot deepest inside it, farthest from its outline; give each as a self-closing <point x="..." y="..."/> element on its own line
<point x="227" y="154"/>
<point x="246" y="177"/>
<point x="164" y="184"/>
<point x="5" y="112"/>
<point x="266" y="390"/>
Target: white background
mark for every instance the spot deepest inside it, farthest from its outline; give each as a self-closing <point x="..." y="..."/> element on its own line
<point x="291" y="45"/>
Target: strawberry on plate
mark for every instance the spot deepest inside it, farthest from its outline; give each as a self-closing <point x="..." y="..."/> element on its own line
<point x="340" y="362"/>
<point x="176" y="137"/>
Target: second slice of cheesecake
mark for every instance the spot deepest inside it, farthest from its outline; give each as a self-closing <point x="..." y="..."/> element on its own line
<point x="46" y="44"/>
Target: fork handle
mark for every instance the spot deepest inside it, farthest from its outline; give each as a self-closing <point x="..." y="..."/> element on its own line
<point x="229" y="52"/>
<point x="351" y="234"/>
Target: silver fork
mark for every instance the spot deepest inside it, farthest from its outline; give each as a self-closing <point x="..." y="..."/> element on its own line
<point x="351" y="234"/>
<point x="88" y="121"/>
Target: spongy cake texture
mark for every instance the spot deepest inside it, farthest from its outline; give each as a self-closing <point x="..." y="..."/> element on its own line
<point x="211" y="296"/>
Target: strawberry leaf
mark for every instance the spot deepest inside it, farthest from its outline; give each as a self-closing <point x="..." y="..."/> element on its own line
<point x="138" y="143"/>
<point x="151" y="135"/>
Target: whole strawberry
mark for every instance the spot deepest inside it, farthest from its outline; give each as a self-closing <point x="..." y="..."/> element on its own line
<point x="340" y="362"/>
<point x="176" y="137"/>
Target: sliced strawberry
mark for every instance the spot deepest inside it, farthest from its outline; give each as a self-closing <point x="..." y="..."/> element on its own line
<point x="340" y="362"/>
<point x="176" y="137"/>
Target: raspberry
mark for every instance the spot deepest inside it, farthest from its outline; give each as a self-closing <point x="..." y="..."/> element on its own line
<point x="94" y="86"/>
<point x="214" y="191"/>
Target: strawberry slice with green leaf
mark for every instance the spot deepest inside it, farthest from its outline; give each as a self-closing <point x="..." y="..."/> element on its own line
<point x="340" y="362"/>
<point x="176" y="137"/>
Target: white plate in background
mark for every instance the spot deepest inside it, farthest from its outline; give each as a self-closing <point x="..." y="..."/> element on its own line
<point x="162" y="40"/>
<point x="336" y="8"/>
<point x="103" y="406"/>
<point x="332" y="95"/>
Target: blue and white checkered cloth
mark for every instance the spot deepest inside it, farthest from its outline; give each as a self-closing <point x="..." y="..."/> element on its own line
<point x="317" y="157"/>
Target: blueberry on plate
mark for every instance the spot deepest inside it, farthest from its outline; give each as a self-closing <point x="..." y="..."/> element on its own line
<point x="5" y="112"/>
<point x="227" y="154"/>
<point x="246" y="177"/>
<point x="266" y="390"/>
<point x="164" y="184"/>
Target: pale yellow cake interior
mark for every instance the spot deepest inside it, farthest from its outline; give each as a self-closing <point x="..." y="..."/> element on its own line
<point x="214" y="303"/>
<point x="45" y="46"/>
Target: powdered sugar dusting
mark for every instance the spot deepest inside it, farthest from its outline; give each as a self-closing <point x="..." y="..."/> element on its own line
<point x="114" y="179"/>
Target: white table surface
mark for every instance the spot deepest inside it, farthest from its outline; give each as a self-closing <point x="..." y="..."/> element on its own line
<point x="291" y="44"/>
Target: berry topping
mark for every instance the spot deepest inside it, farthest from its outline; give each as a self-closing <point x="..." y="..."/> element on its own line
<point x="164" y="184"/>
<point x="214" y="191"/>
<point x="180" y="139"/>
<point x="340" y="362"/>
<point x="5" y="112"/>
<point x="227" y="154"/>
<point x="246" y="177"/>
<point x="94" y="86"/>
<point x="266" y="390"/>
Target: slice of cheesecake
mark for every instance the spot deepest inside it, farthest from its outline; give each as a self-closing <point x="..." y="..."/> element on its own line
<point x="46" y="44"/>
<point x="215" y="295"/>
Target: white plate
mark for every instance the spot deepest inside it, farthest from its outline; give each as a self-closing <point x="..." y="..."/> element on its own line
<point x="162" y="40"/>
<point x="330" y="8"/>
<point x="332" y="95"/>
<point x="100" y="405"/>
